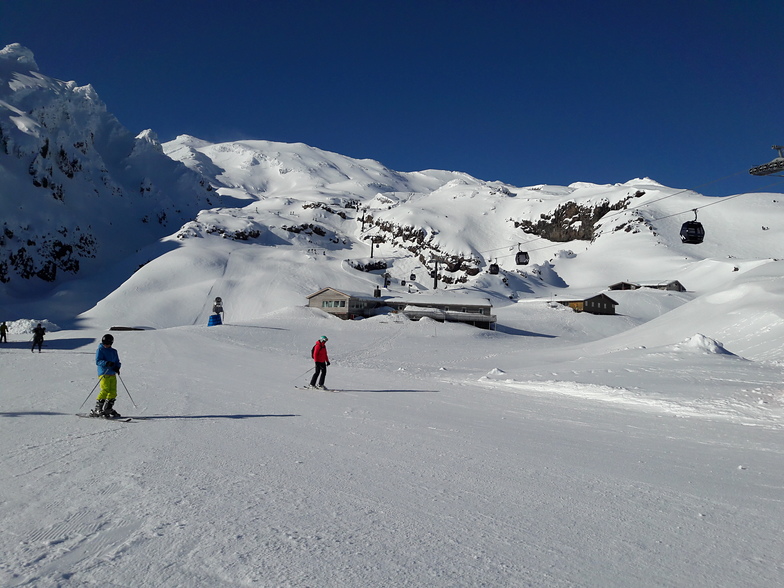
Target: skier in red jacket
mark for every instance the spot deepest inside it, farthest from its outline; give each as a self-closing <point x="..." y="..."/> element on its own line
<point x="322" y="361"/>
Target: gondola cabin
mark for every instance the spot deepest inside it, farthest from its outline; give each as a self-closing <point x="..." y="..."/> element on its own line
<point x="494" y="269"/>
<point x="692" y="232"/>
<point x="522" y="258"/>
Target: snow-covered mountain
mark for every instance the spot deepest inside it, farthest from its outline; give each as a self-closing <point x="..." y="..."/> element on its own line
<point x="147" y="234"/>
<point x="296" y="219"/>
<point x="78" y="191"/>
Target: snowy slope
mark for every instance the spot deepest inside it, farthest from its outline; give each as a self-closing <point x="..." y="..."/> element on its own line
<point x="92" y="205"/>
<point x="271" y="251"/>
<point x="450" y="456"/>
<point x="78" y="191"/>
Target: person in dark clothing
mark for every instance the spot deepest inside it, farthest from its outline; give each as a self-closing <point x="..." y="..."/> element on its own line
<point x="4" y="333"/>
<point x="322" y="361"/>
<point x="38" y="338"/>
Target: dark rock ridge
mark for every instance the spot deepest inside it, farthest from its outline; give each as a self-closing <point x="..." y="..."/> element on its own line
<point x="66" y="162"/>
<point x="571" y="221"/>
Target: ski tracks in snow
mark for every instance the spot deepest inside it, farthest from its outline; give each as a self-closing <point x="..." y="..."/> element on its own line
<point x="369" y="354"/>
<point x="82" y="524"/>
<point x="715" y="408"/>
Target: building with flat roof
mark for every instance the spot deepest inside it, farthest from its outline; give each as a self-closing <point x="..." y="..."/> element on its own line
<point x="473" y="310"/>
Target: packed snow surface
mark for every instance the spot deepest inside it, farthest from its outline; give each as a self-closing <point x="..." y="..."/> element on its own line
<point x="444" y="456"/>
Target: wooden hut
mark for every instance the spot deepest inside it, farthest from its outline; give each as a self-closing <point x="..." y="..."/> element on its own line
<point x="599" y="304"/>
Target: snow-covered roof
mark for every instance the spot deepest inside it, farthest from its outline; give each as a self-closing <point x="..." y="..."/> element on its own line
<point x="582" y="299"/>
<point x="349" y="293"/>
<point x="441" y="299"/>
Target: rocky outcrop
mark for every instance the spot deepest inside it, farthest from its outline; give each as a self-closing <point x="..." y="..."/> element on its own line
<point x="67" y="162"/>
<point x="40" y="255"/>
<point x="454" y="268"/>
<point x="571" y="221"/>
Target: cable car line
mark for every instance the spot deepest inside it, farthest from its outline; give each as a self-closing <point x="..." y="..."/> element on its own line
<point x="612" y="214"/>
<point x="618" y="212"/>
<point x="722" y="199"/>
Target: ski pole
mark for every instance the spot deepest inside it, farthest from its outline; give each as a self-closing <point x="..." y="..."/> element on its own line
<point x="91" y="393"/>
<point x="310" y="370"/>
<point x="126" y="389"/>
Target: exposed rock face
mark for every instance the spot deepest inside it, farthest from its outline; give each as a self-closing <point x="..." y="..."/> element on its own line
<point x="78" y="189"/>
<point x="425" y="246"/>
<point x="570" y="221"/>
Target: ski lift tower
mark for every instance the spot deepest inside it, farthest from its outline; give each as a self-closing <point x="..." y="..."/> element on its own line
<point x="772" y="167"/>
<point x="374" y="241"/>
<point x="434" y="271"/>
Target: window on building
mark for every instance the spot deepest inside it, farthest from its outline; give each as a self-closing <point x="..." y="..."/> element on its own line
<point x="333" y="304"/>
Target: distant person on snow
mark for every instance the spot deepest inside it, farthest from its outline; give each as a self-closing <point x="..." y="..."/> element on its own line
<point x="3" y="332"/>
<point x="38" y="337"/>
<point x="319" y="353"/>
<point x="108" y="361"/>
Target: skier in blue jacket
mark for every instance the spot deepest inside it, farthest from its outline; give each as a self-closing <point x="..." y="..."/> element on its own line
<point x="108" y="361"/>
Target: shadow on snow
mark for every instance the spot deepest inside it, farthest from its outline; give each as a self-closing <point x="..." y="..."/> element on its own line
<point x="151" y="417"/>
<point x="210" y="416"/>
<point x="33" y="413"/>
<point x="385" y="391"/>
<point x="520" y="332"/>
<point x="51" y="344"/>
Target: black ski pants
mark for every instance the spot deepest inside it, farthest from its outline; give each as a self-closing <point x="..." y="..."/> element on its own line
<point x="321" y="370"/>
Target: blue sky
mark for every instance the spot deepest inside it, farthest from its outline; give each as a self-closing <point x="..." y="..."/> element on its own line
<point x="685" y="91"/>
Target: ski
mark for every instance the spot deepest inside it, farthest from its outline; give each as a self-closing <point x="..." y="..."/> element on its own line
<point x="314" y="388"/>
<point x="119" y="420"/>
